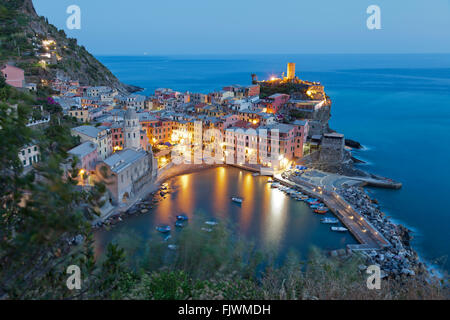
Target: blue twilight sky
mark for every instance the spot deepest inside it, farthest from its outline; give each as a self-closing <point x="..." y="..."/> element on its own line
<point x="136" y="27"/>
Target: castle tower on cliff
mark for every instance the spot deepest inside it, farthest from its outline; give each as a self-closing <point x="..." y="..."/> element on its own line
<point x="132" y="130"/>
<point x="291" y="71"/>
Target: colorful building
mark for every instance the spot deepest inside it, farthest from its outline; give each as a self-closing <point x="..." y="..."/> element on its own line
<point x="14" y="76"/>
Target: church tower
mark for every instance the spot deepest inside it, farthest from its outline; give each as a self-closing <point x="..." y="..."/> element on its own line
<point x="132" y="130"/>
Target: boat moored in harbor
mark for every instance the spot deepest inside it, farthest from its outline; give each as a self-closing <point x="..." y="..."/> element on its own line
<point x="182" y="217"/>
<point x="339" y="229"/>
<point x="237" y="199"/>
<point x="329" y="220"/>
<point x="163" y="229"/>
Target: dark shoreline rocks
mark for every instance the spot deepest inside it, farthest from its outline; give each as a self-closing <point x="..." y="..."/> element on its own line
<point x="356" y="160"/>
<point x="132" y="88"/>
<point x="353" y="144"/>
<point x="143" y="206"/>
<point x="398" y="260"/>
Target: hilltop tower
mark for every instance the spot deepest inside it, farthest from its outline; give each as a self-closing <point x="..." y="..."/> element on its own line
<point x="132" y="130"/>
<point x="254" y="78"/>
<point x="291" y="71"/>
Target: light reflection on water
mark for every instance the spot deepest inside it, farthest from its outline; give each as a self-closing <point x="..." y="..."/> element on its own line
<point x="267" y="216"/>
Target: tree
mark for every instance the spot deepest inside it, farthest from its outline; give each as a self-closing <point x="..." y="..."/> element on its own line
<point x="2" y="82"/>
<point x="41" y="211"/>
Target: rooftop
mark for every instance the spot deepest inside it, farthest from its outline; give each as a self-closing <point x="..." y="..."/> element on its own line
<point x="123" y="159"/>
<point x="88" y="131"/>
<point x="83" y="149"/>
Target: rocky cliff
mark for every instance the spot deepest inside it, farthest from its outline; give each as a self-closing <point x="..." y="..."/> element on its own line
<point x="43" y="51"/>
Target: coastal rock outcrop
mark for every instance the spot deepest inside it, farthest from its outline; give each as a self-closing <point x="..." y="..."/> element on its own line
<point x="397" y="260"/>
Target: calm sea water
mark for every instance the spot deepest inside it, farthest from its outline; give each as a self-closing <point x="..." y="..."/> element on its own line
<point x="268" y="217"/>
<point x="397" y="106"/>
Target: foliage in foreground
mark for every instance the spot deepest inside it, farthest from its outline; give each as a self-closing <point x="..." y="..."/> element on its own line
<point x="218" y="266"/>
<point x="41" y="209"/>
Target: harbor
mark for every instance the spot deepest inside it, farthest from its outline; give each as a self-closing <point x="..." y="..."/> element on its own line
<point x="267" y="217"/>
<point x="361" y="229"/>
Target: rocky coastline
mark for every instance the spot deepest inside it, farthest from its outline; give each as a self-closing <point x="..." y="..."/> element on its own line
<point x="143" y="206"/>
<point x="398" y="260"/>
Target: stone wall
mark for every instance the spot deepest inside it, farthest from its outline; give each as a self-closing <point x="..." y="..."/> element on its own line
<point x="332" y="148"/>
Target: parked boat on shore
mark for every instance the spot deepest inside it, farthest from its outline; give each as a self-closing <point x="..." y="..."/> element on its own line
<point x="275" y="185"/>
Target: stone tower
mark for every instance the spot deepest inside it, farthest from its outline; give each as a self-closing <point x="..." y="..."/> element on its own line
<point x="132" y="130"/>
<point x="291" y="71"/>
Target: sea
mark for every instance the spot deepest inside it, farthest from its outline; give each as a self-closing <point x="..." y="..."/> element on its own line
<point x="396" y="105"/>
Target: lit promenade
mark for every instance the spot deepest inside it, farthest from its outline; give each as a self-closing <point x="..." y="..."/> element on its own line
<point x="362" y="230"/>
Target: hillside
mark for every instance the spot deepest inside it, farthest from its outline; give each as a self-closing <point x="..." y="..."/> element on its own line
<point x="43" y="51"/>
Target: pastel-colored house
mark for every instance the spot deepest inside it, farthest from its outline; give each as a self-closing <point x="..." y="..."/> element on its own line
<point x="14" y="76"/>
<point x="86" y="154"/>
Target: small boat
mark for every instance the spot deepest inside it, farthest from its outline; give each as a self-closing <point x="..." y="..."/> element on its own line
<point x="310" y="200"/>
<point x="321" y="211"/>
<point x="275" y="185"/>
<point x="314" y="203"/>
<point x="236" y="199"/>
<point x="211" y="223"/>
<point x="167" y="238"/>
<point x="164" y="229"/>
<point x="172" y="247"/>
<point x="329" y="220"/>
<point x="339" y="229"/>
<point x="317" y="206"/>
<point x="304" y="197"/>
<point x="207" y="229"/>
<point x="179" y="224"/>
<point x="182" y="217"/>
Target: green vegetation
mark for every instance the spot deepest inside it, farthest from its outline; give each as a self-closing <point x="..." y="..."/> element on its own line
<point x="269" y="88"/>
<point x="216" y="265"/>
<point x="41" y="209"/>
<point x="296" y="114"/>
<point x="21" y="35"/>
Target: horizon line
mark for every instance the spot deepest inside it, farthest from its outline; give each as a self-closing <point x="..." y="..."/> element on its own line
<point x="260" y="54"/>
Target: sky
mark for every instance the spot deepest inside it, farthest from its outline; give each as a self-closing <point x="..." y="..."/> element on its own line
<point x="158" y="27"/>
